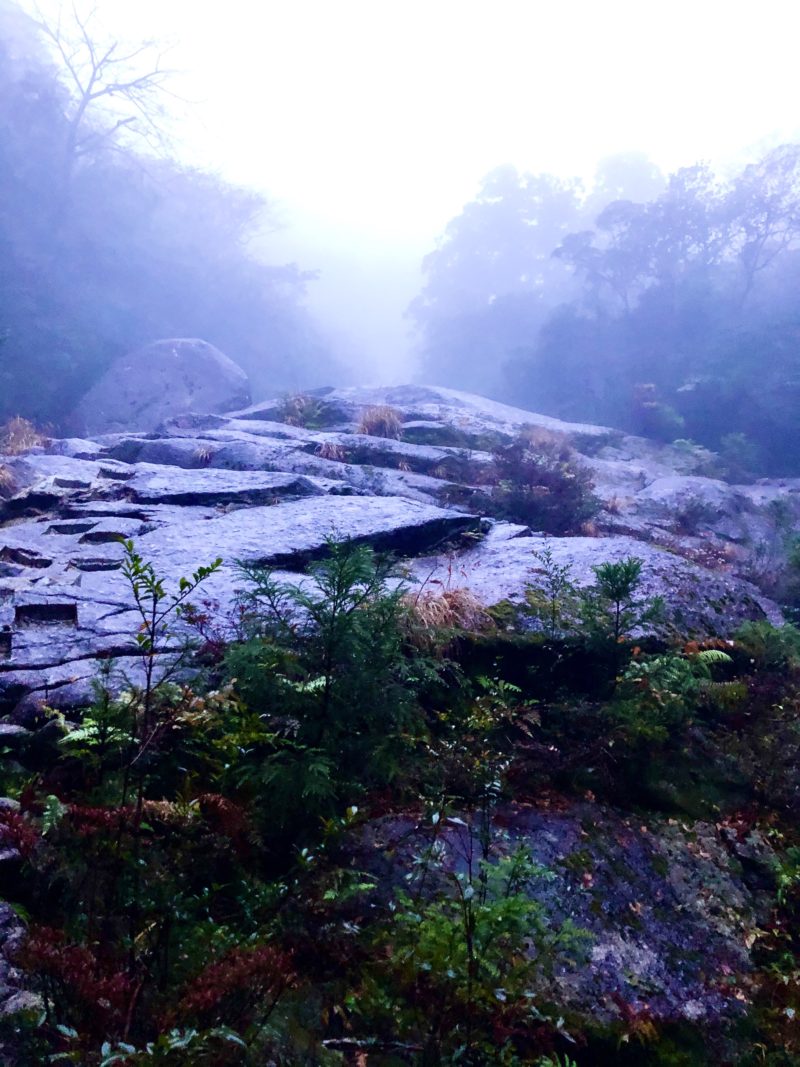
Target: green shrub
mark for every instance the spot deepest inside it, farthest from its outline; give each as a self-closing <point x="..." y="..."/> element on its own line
<point x="541" y="484"/>
<point x="461" y="965"/>
<point x="555" y="603"/>
<point x="771" y="648"/>
<point x="611" y="608"/>
<point x="326" y="666"/>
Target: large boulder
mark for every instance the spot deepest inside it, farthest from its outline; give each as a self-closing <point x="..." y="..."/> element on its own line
<point x="163" y="380"/>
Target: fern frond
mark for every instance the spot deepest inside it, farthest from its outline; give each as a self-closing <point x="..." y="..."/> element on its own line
<point x="712" y="655"/>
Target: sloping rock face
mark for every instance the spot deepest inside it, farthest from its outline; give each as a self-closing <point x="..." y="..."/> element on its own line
<point x="162" y="380"/>
<point x="669" y="907"/>
<point x="245" y="486"/>
<point x="700" y="602"/>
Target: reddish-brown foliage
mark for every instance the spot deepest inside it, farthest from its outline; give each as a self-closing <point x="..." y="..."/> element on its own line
<point x="693" y="648"/>
<point x="226" y="817"/>
<point x="88" y="820"/>
<point x="16" y="832"/>
<point x="73" y="973"/>
<point x="243" y="979"/>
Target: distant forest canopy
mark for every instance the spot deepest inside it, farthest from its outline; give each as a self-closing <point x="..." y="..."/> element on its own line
<point x="668" y="306"/>
<point x="108" y="244"/>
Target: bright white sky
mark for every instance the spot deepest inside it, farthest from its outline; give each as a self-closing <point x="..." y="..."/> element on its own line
<point x="373" y="121"/>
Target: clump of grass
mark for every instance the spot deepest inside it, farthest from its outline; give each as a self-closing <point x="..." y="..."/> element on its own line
<point x="300" y="409"/>
<point x="331" y="450"/>
<point x="8" y="483"/>
<point x="434" y="618"/>
<point x="19" y="435"/>
<point x="381" y="421"/>
<point x="204" y="454"/>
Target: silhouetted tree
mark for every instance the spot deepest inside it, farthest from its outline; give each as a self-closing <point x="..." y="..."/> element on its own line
<point x="112" y="90"/>
<point x="105" y="249"/>
<point x="685" y="321"/>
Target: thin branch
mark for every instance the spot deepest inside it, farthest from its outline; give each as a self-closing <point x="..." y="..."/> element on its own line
<point x="97" y="73"/>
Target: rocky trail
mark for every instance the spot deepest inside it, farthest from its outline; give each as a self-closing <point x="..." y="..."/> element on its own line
<point x="246" y="486"/>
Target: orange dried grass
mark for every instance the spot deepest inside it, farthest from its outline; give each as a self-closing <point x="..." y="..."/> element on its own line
<point x="435" y="617"/>
<point x="331" y="450"/>
<point x="8" y="483"/>
<point x="19" y="435"/>
<point x="381" y="421"/>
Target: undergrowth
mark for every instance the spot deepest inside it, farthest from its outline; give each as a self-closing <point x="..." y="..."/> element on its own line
<point x="327" y="847"/>
<point x="540" y="482"/>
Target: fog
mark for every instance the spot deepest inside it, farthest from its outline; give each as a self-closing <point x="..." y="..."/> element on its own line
<point x="371" y="124"/>
<point x="399" y="533"/>
<point x="372" y="131"/>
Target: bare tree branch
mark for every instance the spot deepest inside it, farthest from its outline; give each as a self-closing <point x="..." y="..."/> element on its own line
<point x="113" y="90"/>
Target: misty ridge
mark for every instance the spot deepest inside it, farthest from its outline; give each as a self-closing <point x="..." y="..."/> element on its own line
<point x="665" y="305"/>
<point x="662" y="304"/>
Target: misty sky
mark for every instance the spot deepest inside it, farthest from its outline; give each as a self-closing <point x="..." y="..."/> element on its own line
<point x="373" y="121"/>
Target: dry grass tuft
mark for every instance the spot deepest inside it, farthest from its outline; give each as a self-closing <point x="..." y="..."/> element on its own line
<point x="540" y="436"/>
<point x="204" y="454"/>
<point x="8" y="483"/>
<point x="300" y="409"/>
<point x="19" y="435"/>
<point x="381" y="421"/>
<point x="614" y="505"/>
<point x="331" y="450"/>
<point x="435" y="618"/>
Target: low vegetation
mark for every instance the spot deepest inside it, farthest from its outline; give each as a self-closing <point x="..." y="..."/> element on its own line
<point x="381" y="421"/>
<point x="541" y="483"/>
<point x="301" y="409"/>
<point x="200" y="871"/>
<point x="18" y="436"/>
<point x="331" y="450"/>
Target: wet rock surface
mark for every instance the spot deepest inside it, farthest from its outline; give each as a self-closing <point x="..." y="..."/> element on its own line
<point x="246" y="486"/>
<point x="667" y="905"/>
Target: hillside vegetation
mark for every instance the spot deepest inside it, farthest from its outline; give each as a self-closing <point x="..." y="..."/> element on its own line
<point x="662" y="304"/>
<point x="493" y="796"/>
